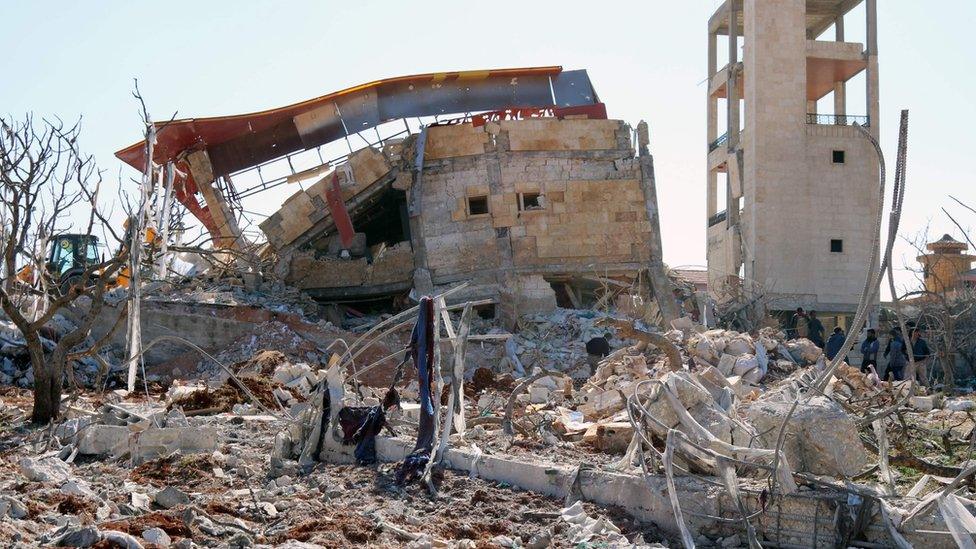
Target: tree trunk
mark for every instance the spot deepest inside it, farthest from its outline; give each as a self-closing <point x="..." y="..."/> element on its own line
<point x="948" y="358"/>
<point x="47" y="383"/>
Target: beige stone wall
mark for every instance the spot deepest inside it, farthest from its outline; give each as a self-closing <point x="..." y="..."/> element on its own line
<point x="453" y="141"/>
<point x="777" y="205"/>
<point x="302" y="210"/>
<point x="550" y="134"/>
<point x="390" y="265"/>
<point x="593" y="210"/>
<point x="593" y="214"/>
<point x="944" y="270"/>
<point x="456" y="243"/>
<point x="795" y="199"/>
<point x="843" y="203"/>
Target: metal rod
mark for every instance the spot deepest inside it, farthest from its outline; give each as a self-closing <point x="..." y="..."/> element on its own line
<point x="345" y="130"/>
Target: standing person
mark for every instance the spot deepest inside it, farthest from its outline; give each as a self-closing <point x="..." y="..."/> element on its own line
<point x="815" y="329"/>
<point x="596" y="349"/>
<point x="793" y="323"/>
<point x="897" y="356"/>
<point x="835" y="343"/>
<point x="921" y="354"/>
<point x="869" y="351"/>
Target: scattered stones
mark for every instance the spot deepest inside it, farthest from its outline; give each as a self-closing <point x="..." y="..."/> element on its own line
<point x="157" y="536"/>
<point x="12" y="507"/>
<point x="959" y="405"/>
<point x="46" y="469"/>
<point x="121" y="539"/>
<point x="80" y="537"/>
<point x="170" y="497"/>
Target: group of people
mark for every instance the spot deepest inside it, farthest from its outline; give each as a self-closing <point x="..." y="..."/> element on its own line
<point x="899" y="367"/>
<point x="802" y="320"/>
<point x="896" y="351"/>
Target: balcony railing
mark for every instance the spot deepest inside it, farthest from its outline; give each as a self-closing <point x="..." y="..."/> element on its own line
<point x="722" y="139"/>
<point x="717" y="218"/>
<point x="837" y="119"/>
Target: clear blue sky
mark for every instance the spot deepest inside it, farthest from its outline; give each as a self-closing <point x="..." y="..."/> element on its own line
<point x="647" y="60"/>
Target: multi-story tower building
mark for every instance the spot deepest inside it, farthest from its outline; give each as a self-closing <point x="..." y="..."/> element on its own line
<point x="792" y="193"/>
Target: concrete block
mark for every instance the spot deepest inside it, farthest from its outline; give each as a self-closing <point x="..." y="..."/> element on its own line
<point x="925" y="403"/>
<point x="611" y="437"/>
<point x="104" y="440"/>
<point x="821" y="438"/>
<point x="601" y="404"/>
<point x="154" y="443"/>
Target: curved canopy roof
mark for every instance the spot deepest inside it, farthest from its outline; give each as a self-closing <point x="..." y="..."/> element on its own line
<point x="239" y="141"/>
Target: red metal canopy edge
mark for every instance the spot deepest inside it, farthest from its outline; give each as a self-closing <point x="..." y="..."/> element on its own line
<point x="180" y="135"/>
<point x="176" y="136"/>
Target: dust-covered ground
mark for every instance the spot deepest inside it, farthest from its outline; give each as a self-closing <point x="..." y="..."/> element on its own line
<point x="227" y="498"/>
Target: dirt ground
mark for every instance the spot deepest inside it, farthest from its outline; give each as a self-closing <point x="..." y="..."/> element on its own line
<point x="234" y="500"/>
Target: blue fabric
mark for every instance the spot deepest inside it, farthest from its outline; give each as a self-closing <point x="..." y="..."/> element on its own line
<point x="834" y="345"/>
<point x="422" y="353"/>
<point x="896" y="357"/>
<point x="869" y="348"/>
<point x="421" y="343"/>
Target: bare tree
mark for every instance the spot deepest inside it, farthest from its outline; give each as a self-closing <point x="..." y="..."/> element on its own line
<point x="45" y="182"/>
<point x="946" y="309"/>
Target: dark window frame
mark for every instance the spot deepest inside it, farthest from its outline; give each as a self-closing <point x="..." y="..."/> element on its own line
<point x="532" y="197"/>
<point x="842" y="156"/>
<point x="836" y="245"/>
<point x="480" y="199"/>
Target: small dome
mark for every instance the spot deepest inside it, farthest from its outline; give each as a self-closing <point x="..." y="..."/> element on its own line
<point x="947" y="244"/>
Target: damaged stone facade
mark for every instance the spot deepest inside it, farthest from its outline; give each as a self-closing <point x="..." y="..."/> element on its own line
<point x="505" y="205"/>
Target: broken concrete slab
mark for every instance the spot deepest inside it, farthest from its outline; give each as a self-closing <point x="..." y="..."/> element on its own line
<point x="154" y="443"/>
<point x="925" y="403"/>
<point x="170" y="497"/>
<point x="104" y="440"/>
<point x="45" y="469"/>
<point x="820" y="438"/>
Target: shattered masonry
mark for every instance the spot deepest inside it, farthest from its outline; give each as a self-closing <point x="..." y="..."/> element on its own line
<point x="580" y="174"/>
<point x="279" y="414"/>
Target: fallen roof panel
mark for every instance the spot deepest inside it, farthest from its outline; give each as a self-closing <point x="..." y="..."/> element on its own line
<point x="240" y="141"/>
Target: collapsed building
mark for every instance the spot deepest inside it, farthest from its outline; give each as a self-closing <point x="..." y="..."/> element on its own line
<point x="516" y="200"/>
<point x="518" y="193"/>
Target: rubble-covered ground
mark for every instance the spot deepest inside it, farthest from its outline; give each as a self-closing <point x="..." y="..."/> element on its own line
<point x="201" y="460"/>
<point x="226" y="497"/>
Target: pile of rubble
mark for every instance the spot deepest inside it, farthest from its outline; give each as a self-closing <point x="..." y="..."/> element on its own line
<point x="16" y="369"/>
<point x="224" y="290"/>
<point x="223" y="457"/>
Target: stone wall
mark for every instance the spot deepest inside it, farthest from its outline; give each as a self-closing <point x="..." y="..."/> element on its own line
<point x="302" y="210"/>
<point x="796" y="199"/>
<point x="591" y="211"/>
<point x="845" y="206"/>
<point x="390" y="265"/>
<point x="560" y="197"/>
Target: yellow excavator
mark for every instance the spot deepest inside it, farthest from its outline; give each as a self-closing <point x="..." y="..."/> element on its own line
<point x="70" y="255"/>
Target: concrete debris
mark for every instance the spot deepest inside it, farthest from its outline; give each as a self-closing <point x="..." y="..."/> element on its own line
<point x="170" y="497"/>
<point x="224" y="451"/>
<point x="81" y="537"/>
<point x="584" y="529"/>
<point x="804" y="351"/>
<point x="46" y="469"/>
<point x="959" y="405"/>
<point x="821" y="438"/>
<point x="157" y="536"/>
